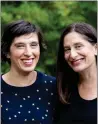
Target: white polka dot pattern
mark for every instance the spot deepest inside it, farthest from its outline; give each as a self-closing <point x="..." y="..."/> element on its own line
<point x="34" y="105"/>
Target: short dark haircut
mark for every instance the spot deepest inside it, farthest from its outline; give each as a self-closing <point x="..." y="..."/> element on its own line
<point x="16" y="29"/>
<point x="66" y="77"/>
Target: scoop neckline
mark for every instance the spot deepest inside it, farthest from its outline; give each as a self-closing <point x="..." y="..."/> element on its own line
<point x="8" y="85"/>
<point x="85" y="100"/>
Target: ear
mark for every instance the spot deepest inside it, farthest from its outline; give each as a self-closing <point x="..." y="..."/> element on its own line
<point x="96" y="48"/>
<point x="8" y="56"/>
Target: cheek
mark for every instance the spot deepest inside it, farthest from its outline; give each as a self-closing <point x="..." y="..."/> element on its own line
<point x="37" y="51"/>
<point x="66" y="56"/>
<point x="16" y="54"/>
<point x="87" y="50"/>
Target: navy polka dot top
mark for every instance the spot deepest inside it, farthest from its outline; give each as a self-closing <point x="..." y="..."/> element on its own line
<point x="34" y="104"/>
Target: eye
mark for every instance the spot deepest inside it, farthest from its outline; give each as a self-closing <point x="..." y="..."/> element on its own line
<point x="78" y="46"/>
<point x="66" y="50"/>
<point x="20" y="45"/>
<point x="34" y="44"/>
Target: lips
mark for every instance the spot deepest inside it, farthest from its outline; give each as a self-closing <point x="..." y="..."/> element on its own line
<point x="28" y="62"/>
<point x="76" y="62"/>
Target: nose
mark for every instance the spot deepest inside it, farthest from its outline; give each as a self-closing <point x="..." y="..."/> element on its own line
<point x="28" y="51"/>
<point x="73" y="54"/>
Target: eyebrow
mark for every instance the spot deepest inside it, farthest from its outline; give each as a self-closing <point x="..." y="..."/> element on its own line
<point x="66" y="46"/>
<point x="24" y="43"/>
<point x="78" y="43"/>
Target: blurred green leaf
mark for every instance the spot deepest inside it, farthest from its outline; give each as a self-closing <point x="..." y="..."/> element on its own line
<point x="52" y="17"/>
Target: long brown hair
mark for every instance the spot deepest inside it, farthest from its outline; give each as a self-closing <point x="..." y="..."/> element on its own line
<point x="66" y="77"/>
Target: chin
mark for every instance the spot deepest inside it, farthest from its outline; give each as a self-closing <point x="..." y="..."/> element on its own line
<point x="78" y="69"/>
<point x="27" y="70"/>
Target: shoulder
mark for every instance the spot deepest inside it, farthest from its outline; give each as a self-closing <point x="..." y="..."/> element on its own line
<point x="2" y="81"/>
<point x="46" y="78"/>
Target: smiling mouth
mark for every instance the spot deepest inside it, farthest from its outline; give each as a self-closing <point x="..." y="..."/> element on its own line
<point x="76" y="62"/>
<point x="28" y="62"/>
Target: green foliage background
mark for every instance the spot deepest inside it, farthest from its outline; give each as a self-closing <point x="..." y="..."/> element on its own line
<point x="52" y="17"/>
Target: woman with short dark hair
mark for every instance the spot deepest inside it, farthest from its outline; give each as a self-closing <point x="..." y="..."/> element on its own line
<point x="27" y="95"/>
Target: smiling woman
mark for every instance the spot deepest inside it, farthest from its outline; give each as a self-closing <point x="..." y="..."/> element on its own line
<point x="27" y="95"/>
<point x="24" y="52"/>
<point x="77" y="75"/>
<point x="80" y="55"/>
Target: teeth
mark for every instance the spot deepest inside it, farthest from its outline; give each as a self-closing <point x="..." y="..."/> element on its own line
<point x="77" y="60"/>
<point x="28" y="61"/>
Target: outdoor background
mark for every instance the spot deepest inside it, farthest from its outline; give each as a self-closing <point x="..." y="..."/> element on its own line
<point x="52" y="17"/>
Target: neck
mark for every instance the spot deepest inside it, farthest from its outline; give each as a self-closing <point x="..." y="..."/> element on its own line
<point x="89" y="76"/>
<point x="16" y="78"/>
<point x="88" y="83"/>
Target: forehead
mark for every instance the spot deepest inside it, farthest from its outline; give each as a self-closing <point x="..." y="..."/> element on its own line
<point x="26" y="38"/>
<point x="74" y="37"/>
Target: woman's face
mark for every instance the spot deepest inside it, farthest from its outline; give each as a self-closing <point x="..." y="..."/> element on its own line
<point x="78" y="52"/>
<point x="24" y="52"/>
